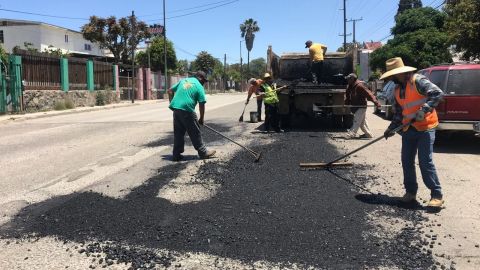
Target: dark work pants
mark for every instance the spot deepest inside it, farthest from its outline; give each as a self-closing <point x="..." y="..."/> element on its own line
<point x="184" y="121"/>
<point x="420" y="142"/>
<point x="272" y="122"/>
<point x="259" y="109"/>
<point x="317" y="68"/>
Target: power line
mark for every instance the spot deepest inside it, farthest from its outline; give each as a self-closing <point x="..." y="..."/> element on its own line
<point x="44" y="15"/>
<point x="184" y="9"/>
<point x="195" y="12"/>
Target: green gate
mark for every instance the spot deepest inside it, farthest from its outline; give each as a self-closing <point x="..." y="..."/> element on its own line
<point x="15" y="84"/>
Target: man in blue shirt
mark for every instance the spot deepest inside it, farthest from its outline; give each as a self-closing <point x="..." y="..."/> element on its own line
<point x="184" y="97"/>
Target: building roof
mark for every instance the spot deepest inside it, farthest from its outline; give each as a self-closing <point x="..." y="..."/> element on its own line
<point x="12" y="22"/>
<point x="372" y="45"/>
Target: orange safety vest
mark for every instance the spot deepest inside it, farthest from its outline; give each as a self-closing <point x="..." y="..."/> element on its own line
<point x="412" y="102"/>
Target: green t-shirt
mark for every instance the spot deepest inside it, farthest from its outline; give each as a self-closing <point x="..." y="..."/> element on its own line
<point x="188" y="92"/>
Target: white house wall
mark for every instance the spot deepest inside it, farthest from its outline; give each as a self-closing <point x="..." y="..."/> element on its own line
<point x="17" y="35"/>
<point x="42" y="36"/>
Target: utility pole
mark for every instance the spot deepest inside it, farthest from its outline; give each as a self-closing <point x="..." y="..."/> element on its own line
<point x="344" y="25"/>
<point x="354" y="21"/>
<point x="225" y="71"/>
<point x="134" y="36"/>
<point x="241" y="68"/>
<point x="165" y="47"/>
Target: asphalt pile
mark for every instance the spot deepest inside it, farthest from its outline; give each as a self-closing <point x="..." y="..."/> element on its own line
<point x="269" y="211"/>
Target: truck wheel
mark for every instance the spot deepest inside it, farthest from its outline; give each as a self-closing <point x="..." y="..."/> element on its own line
<point x="348" y="121"/>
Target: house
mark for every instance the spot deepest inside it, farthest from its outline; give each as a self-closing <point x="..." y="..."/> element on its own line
<point x="42" y="36"/>
<point x="364" y="59"/>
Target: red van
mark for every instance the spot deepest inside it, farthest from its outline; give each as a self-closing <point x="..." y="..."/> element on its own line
<point x="460" y="109"/>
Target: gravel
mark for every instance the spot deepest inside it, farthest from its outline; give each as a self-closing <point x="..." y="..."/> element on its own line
<point x="267" y="211"/>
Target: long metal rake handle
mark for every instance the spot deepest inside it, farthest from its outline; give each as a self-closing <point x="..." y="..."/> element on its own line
<point x="366" y="145"/>
<point x="255" y="154"/>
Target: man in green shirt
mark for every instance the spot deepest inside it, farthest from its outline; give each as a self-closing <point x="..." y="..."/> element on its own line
<point x="184" y="97"/>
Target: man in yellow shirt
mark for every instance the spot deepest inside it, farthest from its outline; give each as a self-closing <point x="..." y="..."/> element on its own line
<point x="317" y="52"/>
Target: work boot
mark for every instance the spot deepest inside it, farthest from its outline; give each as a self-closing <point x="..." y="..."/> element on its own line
<point x="435" y="202"/>
<point x="279" y="130"/>
<point x="209" y="154"/>
<point x="408" y="198"/>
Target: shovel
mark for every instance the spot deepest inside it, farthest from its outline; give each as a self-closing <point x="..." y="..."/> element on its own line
<point x="335" y="163"/>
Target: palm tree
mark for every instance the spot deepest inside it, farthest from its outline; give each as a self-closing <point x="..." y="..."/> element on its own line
<point x="248" y="29"/>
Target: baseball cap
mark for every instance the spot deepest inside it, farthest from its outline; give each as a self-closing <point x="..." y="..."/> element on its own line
<point x="351" y="75"/>
<point x="308" y="43"/>
<point x="202" y="75"/>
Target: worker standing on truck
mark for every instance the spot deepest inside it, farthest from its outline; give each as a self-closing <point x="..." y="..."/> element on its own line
<point x="270" y="98"/>
<point x="254" y="88"/>
<point x="184" y="96"/>
<point x="317" y="52"/>
<point x="357" y="95"/>
<point x="415" y="101"/>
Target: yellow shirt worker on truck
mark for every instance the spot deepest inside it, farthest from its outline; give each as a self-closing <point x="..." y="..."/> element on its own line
<point x="317" y="52"/>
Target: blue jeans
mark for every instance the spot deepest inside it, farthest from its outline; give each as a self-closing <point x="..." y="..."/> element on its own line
<point x="421" y="141"/>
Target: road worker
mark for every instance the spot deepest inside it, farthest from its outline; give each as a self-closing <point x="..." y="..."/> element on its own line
<point x="415" y="101"/>
<point x="317" y="53"/>
<point x="255" y="89"/>
<point x="357" y="95"/>
<point x="184" y="97"/>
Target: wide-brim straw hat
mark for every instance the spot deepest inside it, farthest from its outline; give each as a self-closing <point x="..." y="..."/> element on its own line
<point x="395" y="66"/>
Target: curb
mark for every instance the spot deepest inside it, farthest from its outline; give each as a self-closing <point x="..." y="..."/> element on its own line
<point x="22" y="117"/>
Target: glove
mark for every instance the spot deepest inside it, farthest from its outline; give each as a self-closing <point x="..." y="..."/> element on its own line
<point x="388" y="133"/>
<point x="378" y="105"/>
<point x="200" y="121"/>
<point x="420" y="116"/>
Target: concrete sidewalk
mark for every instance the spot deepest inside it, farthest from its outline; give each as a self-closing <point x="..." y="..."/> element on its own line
<point x="26" y="116"/>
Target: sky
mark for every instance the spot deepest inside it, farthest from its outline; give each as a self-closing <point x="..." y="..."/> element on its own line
<point x="214" y="25"/>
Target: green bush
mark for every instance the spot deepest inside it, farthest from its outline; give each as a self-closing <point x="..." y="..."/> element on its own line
<point x="69" y="104"/>
<point x="100" y="99"/>
<point x="60" y="105"/>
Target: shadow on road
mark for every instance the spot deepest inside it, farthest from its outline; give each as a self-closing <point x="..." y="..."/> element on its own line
<point x="381" y="199"/>
<point x="457" y="143"/>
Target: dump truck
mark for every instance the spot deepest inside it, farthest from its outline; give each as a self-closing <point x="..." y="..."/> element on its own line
<point x="304" y="102"/>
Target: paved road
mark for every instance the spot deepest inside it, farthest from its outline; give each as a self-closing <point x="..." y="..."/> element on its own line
<point x="98" y="190"/>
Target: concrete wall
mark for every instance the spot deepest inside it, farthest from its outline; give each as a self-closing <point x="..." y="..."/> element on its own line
<point x="17" y="35"/>
<point x="44" y="100"/>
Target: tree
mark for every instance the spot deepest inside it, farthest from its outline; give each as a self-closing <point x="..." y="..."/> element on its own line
<point x="407" y="4"/>
<point x="463" y="27"/>
<point x="349" y="46"/>
<point x="3" y="55"/>
<point x="258" y="67"/>
<point x="182" y="67"/>
<point x="204" y="62"/>
<point x="248" y="30"/>
<point x="419" y="38"/>
<point x="157" y="59"/>
<point x="120" y="37"/>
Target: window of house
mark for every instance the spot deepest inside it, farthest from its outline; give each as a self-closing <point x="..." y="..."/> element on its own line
<point x="66" y="38"/>
<point x="1" y="37"/>
<point x="88" y="47"/>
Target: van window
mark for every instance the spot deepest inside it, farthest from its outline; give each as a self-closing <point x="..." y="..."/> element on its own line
<point x="438" y="78"/>
<point x="464" y="82"/>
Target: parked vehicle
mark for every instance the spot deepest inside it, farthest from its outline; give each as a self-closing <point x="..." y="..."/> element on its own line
<point x="304" y="101"/>
<point x="460" y="109"/>
<point x="385" y="96"/>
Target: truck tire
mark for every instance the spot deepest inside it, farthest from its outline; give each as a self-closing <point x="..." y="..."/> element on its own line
<point x="348" y="121"/>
